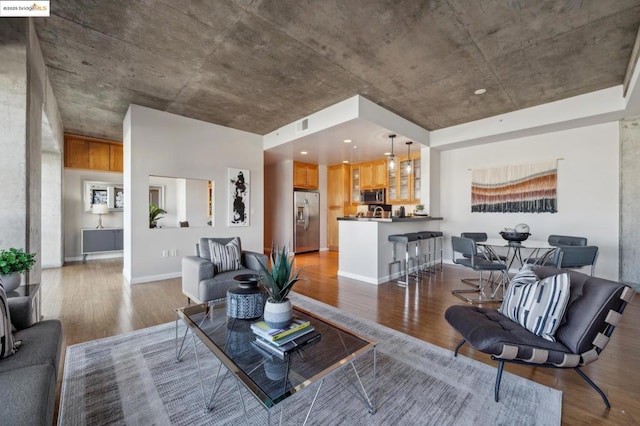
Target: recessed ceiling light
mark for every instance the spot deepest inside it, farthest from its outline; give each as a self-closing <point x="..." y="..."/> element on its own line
<point x="355" y="147"/>
<point x="345" y="161"/>
<point x="303" y="152"/>
<point x="347" y="141"/>
<point x="480" y="91"/>
<point x="387" y="153"/>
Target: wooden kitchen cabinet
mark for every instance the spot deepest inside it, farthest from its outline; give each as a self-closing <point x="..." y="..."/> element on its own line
<point x="373" y="174"/>
<point x="404" y="187"/>
<point x="116" y="158"/>
<point x="305" y="175"/>
<point x="379" y="169"/>
<point x="355" y="184"/>
<point x="366" y="176"/>
<point x="83" y="152"/>
<point x="99" y="156"/>
<point x="339" y="178"/>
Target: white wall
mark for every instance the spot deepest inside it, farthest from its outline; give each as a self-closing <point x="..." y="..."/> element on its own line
<point x="164" y="144"/>
<point x="76" y="218"/>
<point x="322" y="189"/>
<point x="588" y="188"/>
<point x="279" y="204"/>
<point x="51" y="220"/>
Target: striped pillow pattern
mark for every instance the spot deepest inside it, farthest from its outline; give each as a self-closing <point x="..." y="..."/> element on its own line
<point x="7" y="345"/>
<point x="225" y="257"/>
<point x="538" y="306"/>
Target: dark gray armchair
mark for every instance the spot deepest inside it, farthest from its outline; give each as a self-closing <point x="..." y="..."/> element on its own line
<point x="201" y="283"/>
<point x="594" y="309"/>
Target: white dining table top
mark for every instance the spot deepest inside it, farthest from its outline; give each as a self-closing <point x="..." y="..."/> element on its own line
<point x="527" y="244"/>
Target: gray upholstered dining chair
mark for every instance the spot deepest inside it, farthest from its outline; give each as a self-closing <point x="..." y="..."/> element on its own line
<point x="575" y="257"/>
<point x="466" y="247"/>
<point x="557" y="241"/>
<point x="478" y="237"/>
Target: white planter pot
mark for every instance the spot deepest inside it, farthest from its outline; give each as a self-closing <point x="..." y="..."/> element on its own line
<point x="278" y="315"/>
<point x="11" y="281"/>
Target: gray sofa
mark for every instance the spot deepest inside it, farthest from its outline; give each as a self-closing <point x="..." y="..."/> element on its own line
<point x="201" y="284"/>
<point x="28" y="377"/>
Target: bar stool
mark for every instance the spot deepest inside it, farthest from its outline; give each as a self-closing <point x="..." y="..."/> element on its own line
<point x="437" y="236"/>
<point x="426" y="253"/>
<point x="414" y="238"/>
<point x="405" y="239"/>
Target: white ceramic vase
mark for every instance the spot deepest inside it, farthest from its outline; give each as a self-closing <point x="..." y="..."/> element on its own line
<point x="278" y="315"/>
<point x="11" y="281"/>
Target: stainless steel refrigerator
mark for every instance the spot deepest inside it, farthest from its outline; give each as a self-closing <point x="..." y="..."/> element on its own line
<point x="306" y="213"/>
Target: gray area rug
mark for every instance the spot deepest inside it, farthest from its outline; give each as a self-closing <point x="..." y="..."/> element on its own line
<point x="133" y="379"/>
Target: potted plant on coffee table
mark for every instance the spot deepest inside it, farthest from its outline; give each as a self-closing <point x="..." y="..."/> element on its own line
<point x="14" y="262"/>
<point x="278" y="283"/>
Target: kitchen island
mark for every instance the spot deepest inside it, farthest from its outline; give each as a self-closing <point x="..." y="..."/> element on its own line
<point x="364" y="249"/>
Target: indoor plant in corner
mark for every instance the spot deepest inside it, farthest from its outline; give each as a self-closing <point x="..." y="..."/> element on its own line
<point x="278" y="282"/>
<point x="14" y="262"/>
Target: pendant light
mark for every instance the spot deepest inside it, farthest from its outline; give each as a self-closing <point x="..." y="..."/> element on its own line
<point x="392" y="158"/>
<point x="408" y="156"/>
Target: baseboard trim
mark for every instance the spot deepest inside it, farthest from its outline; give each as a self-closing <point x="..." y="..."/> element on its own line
<point x="367" y="280"/>
<point x="150" y="278"/>
<point x="96" y="256"/>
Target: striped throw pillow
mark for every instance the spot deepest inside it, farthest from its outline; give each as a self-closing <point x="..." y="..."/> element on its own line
<point x="225" y="257"/>
<point x="538" y="306"/>
<point x="8" y="346"/>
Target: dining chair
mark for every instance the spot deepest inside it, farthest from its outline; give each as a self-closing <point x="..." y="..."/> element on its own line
<point x="478" y="237"/>
<point x="557" y="241"/>
<point x="575" y="257"/>
<point x="466" y="247"/>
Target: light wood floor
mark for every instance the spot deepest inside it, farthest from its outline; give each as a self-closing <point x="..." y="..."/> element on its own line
<point x="94" y="301"/>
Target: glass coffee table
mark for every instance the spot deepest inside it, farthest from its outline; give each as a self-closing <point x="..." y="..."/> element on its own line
<point x="268" y="378"/>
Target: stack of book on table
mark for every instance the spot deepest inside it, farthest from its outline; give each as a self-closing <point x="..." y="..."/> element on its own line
<point x="281" y="342"/>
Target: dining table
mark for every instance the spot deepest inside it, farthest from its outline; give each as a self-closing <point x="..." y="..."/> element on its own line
<point x="519" y="252"/>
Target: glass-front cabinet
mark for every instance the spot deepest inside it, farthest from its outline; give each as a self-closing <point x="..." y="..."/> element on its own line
<point x="355" y="184"/>
<point x="404" y="181"/>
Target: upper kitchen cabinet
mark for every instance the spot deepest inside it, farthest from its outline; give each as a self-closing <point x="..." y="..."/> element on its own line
<point x="373" y="174"/>
<point x="82" y="152"/>
<point x="404" y="183"/>
<point x="116" y="158"/>
<point x="305" y="175"/>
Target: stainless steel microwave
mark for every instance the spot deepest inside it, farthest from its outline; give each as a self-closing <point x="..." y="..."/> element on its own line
<point x="375" y="196"/>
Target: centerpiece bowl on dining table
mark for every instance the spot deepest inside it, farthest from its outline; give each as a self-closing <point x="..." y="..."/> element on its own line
<point x="514" y="236"/>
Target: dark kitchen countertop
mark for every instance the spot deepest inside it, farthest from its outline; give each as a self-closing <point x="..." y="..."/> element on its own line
<point x="392" y="219"/>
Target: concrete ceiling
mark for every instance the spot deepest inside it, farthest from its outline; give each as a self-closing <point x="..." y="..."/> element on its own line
<point x="258" y="65"/>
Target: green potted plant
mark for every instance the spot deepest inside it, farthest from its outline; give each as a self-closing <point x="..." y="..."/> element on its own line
<point x="278" y="283"/>
<point x="14" y="262"/>
<point x="154" y="215"/>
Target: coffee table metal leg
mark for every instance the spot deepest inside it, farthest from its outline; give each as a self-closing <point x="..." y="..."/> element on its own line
<point x="208" y="403"/>
<point x="313" y="402"/>
<point x="244" y="408"/>
<point x="184" y="338"/>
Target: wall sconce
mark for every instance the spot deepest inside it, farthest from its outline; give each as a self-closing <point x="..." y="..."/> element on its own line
<point x="100" y="209"/>
<point x="409" y="156"/>
<point x="392" y="158"/>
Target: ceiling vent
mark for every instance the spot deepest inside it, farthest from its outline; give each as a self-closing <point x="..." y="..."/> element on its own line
<point x="303" y="125"/>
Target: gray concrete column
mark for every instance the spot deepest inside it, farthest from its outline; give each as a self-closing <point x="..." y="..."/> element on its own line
<point x="630" y="201"/>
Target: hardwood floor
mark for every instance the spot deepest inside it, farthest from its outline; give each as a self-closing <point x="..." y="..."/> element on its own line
<point x="94" y="301"/>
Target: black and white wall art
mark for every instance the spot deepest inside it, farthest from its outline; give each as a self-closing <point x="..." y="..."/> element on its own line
<point x="239" y="197"/>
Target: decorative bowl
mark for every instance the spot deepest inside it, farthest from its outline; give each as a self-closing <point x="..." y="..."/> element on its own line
<point x="514" y="236"/>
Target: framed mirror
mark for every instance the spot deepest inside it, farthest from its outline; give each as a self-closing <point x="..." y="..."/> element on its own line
<point x="184" y="202"/>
